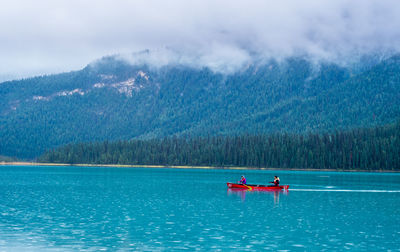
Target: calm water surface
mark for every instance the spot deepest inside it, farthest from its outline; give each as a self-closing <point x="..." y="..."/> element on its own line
<point x="121" y="209"/>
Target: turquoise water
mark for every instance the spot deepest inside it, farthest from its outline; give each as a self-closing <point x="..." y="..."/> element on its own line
<point x="121" y="209"/>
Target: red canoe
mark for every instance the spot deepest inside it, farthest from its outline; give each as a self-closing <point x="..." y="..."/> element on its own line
<point x="257" y="187"/>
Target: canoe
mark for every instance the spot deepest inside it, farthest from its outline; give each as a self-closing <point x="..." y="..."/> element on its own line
<point x="257" y="187"/>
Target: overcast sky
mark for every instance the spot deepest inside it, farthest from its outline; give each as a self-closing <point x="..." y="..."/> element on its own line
<point x="50" y="36"/>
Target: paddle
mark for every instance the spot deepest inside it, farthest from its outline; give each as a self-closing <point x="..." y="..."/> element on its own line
<point x="248" y="187"/>
<point x="273" y="184"/>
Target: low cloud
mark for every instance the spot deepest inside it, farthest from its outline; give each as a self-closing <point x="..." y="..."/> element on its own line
<point x="219" y="58"/>
<point x="44" y="36"/>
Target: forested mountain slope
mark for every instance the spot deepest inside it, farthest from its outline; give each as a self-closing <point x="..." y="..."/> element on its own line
<point x="111" y="99"/>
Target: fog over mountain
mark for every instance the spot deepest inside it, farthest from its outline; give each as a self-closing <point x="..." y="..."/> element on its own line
<point x="41" y="37"/>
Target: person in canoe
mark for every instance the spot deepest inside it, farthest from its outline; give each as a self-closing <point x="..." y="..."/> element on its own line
<point x="242" y="180"/>
<point x="276" y="181"/>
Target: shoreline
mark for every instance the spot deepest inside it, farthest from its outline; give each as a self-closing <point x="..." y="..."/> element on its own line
<point x="3" y="163"/>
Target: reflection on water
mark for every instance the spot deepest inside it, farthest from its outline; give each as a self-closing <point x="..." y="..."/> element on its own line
<point x="119" y="209"/>
<point x="242" y="194"/>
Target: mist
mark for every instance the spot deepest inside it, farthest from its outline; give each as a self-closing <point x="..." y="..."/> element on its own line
<point x="42" y="37"/>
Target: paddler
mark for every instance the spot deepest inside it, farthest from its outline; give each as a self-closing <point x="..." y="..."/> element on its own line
<point x="242" y="180"/>
<point x="276" y="181"/>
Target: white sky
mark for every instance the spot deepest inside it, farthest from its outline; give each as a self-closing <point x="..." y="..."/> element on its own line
<point x="50" y="36"/>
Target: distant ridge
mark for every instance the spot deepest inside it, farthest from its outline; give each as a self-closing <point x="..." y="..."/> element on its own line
<point x="112" y="99"/>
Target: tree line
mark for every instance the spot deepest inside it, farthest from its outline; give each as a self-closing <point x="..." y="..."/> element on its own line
<point x="364" y="149"/>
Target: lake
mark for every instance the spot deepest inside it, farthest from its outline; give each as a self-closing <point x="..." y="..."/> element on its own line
<point x="121" y="209"/>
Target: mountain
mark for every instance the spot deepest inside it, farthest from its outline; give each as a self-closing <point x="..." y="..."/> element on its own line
<point x="111" y="99"/>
